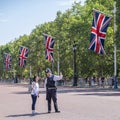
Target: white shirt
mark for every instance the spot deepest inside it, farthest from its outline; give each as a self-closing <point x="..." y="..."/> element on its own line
<point x="35" y="89"/>
<point x="55" y="78"/>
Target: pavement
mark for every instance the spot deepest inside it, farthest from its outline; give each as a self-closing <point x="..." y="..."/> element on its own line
<point x="74" y="103"/>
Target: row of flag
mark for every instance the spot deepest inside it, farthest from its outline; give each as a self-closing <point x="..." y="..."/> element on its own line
<point x="23" y="53"/>
<point x="98" y="34"/>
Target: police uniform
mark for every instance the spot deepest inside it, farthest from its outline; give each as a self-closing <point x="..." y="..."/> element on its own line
<point x="51" y="90"/>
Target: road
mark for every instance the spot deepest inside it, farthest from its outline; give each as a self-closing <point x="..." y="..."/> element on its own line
<point x="74" y="104"/>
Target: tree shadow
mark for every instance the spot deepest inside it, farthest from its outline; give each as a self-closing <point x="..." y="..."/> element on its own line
<point x="89" y="90"/>
<point x="71" y="90"/>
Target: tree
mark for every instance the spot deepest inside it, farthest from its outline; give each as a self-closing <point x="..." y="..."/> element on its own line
<point x="72" y="26"/>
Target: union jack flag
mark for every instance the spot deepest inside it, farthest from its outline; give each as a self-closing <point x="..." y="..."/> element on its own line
<point x="8" y="60"/>
<point x="98" y="32"/>
<point x="49" y="44"/>
<point x="23" y="54"/>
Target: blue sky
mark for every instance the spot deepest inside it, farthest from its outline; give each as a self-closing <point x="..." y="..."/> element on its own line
<point x="19" y="17"/>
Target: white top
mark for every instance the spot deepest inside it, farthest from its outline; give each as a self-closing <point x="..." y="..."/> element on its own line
<point x="35" y="89"/>
<point x="55" y="78"/>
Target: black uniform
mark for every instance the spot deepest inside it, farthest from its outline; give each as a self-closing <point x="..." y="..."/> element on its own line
<point x="51" y="93"/>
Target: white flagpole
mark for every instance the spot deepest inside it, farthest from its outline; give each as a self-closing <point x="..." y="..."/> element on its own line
<point x="23" y="46"/>
<point x="58" y="58"/>
<point x="101" y="12"/>
<point x="30" y="66"/>
<point x="115" y="47"/>
<point x="115" y="61"/>
<point x="48" y="35"/>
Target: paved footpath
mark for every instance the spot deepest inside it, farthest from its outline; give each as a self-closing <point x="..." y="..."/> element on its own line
<point x="74" y="103"/>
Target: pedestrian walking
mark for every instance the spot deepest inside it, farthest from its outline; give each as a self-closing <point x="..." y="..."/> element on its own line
<point x="51" y="89"/>
<point x="34" y="92"/>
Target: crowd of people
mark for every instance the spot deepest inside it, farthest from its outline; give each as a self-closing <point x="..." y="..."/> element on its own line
<point x="100" y="81"/>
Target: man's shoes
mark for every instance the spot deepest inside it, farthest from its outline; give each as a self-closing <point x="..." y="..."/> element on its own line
<point x="57" y="111"/>
<point x="49" y="111"/>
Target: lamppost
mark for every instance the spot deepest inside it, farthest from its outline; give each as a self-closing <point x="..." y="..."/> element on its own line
<point x="74" y="65"/>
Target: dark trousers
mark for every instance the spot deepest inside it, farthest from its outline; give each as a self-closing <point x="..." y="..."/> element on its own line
<point x="34" y="99"/>
<point x="51" y="95"/>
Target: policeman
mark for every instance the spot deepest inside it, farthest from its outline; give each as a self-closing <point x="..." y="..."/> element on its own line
<point x="51" y="89"/>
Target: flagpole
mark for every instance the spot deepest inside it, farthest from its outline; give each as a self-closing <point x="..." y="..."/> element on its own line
<point x="48" y="35"/>
<point x="53" y="67"/>
<point x="30" y="71"/>
<point x="58" y="58"/>
<point x="115" y="58"/>
<point x="75" y="77"/>
<point x="101" y="12"/>
<point x="14" y="71"/>
<point x="23" y="46"/>
<point x="115" y="65"/>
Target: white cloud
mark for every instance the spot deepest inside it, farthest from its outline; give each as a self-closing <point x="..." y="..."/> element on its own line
<point x="68" y="2"/>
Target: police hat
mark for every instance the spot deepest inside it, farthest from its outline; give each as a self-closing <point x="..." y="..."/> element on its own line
<point x="48" y="70"/>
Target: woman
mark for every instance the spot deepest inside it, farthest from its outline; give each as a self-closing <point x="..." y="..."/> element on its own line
<point x="34" y="93"/>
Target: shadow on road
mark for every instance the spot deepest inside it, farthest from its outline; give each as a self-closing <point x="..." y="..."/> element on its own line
<point x="100" y="94"/>
<point x="90" y="91"/>
<point x="24" y="115"/>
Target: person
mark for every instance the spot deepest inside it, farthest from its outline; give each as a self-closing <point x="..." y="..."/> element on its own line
<point x="115" y="82"/>
<point x="103" y="82"/>
<point x="34" y="92"/>
<point x="51" y="89"/>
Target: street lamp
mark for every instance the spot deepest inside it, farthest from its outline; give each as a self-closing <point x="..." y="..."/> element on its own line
<point x="74" y="65"/>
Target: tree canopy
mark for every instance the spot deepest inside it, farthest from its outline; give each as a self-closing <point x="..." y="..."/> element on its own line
<point x="72" y="26"/>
